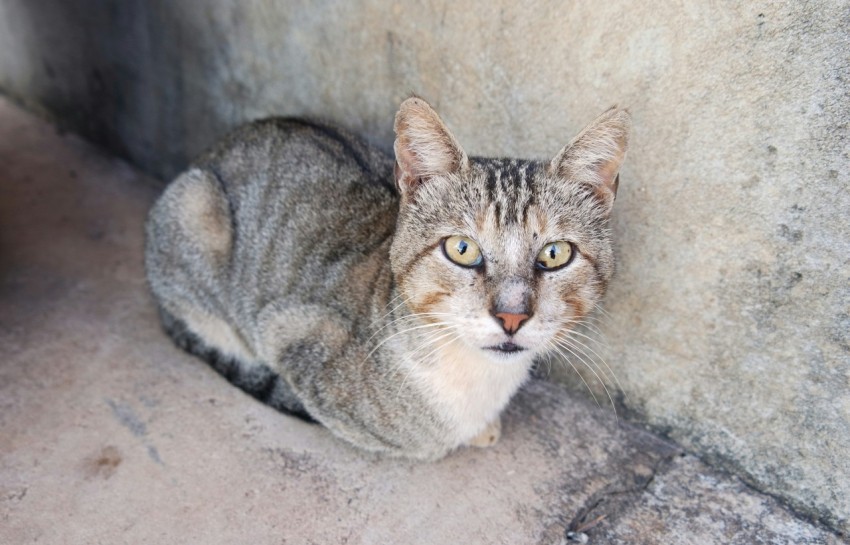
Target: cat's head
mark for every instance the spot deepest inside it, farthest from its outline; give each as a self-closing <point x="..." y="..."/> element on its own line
<point x="507" y="254"/>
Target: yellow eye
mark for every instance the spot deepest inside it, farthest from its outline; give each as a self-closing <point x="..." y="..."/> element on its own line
<point x="462" y="251"/>
<point x="554" y="255"/>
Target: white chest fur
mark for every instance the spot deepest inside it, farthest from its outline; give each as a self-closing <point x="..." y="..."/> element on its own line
<point x="469" y="389"/>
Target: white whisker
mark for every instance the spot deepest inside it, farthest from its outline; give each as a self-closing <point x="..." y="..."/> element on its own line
<point x="389" y="313"/>
<point x="608" y="367"/>
<point x="425" y="338"/>
<point x="594" y="321"/>
<point x="455" y="336"/>
<point x="402" y="318"/>
<point x="574" y="350"/>
<point x="591" y="328"/>
<point x="548" y="355"/>
<point x="433" y="338"/>
<point x="602" y="312"/>
<point x="565" y="358"/>
<point x="401" y="332"/>
<point x="393" y="300"/>
<point x="573" y="330"/>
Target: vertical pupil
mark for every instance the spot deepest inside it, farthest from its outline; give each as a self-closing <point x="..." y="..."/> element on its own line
<point x="553" y="251"/>
<point x="461" y="247"/>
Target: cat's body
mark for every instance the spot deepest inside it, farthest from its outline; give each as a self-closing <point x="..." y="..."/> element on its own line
<point x="288" y="259"/>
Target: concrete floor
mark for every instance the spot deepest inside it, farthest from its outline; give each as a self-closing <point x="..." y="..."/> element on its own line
<point x="109" y="434"/>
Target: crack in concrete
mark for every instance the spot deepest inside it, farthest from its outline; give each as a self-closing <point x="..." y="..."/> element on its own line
<point x="730" y="467"/>
<point x="588" y="516"/>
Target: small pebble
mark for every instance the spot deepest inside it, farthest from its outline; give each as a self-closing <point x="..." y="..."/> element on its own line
<point x="577" y="537"/>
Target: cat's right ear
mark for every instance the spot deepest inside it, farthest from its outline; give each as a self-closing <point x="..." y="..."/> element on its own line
<point x="595" y="156"/>
<point x="424" y="147"/>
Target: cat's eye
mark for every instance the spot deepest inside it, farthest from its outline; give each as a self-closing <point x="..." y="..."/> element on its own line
<point x="462" y="251"/>
<point x="554" y="255"/>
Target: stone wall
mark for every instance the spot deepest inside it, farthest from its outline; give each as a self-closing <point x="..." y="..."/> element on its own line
<point x="729" y="320"/>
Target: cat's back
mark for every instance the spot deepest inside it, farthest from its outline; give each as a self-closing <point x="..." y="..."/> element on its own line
<point x="280" y="205"/>
<point x="297" y="152"/>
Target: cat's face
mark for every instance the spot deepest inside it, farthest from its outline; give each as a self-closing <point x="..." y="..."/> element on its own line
<point x="506" y="254"/>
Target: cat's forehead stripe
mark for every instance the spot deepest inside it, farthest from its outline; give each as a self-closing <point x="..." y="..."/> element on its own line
<point x="509" y="187"/>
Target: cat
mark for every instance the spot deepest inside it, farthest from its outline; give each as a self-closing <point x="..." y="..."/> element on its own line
<point x="400" y="303"/>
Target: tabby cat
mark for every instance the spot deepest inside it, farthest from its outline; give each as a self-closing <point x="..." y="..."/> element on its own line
<point x="398" y="303"/>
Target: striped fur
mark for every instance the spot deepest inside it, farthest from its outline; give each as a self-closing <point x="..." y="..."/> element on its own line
<point x="288" y="260"/>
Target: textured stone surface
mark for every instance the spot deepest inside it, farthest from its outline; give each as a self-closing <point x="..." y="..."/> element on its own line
<point x="731" y="312"/>
<point x="688" y="505"/>
<point x="112" y="435"/>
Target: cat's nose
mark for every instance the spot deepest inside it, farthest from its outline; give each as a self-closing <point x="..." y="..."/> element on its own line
<point x="511" y="322"/>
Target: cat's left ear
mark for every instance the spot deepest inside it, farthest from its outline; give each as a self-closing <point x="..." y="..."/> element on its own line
<point x="424" y="147"/>
<point x="594" y="157"/>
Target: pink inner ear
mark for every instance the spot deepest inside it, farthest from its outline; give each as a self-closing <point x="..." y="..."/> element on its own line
<point x="595" y="156"/>
<point x="424" y="147"/>
<point x="397" y="174"/>
<point x="404" y="158"/>
<point x="609" y="174"/>
<point x="407" y="170"/>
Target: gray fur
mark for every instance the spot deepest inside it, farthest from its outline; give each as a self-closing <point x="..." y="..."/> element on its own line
<point x="287" y="259"/>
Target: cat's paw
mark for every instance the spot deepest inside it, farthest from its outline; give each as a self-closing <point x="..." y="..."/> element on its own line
<point x="490" y="436"/>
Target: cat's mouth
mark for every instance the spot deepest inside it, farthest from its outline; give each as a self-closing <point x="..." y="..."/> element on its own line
<point x="506" y="348"/>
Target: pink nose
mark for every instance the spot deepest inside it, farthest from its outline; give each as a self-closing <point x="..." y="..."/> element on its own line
<point x="511" y="322"/>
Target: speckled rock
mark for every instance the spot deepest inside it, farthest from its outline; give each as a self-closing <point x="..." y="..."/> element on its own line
<point x="729" y="324"/>
<point x="688" y="504"/>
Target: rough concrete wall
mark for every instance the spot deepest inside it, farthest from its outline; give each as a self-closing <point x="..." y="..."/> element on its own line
<point x="729" y="323"/>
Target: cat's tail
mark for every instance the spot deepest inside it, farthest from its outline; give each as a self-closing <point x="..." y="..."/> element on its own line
<point x="255" y="378"/>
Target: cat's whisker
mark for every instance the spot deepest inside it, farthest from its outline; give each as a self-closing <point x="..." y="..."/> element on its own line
<point x="401" y="332"/>
<point x="571" y="326"/>
<point x="405" y="329"/>
<point x="430" y="341"/>
<point x="602" y="310"/>
<point x="603" y="315"/>
<point x="585" y="358"/>
<point x="393" y="300"/>
<point x="572" y="332"/>
<point x="591" y="326"/>
<point x="430" y="336"/>
<point x="595" y="322"/>
<point x="598" y="314"/>
<point x="574" y="350"/>
<point x="565" y="358"/>
<point x="581" y="347"/>
<point x="455" y="334"/>
<point x="548" y="355"/>
<point x="434" y="330"/>
<point x="429" y="354"/>
<point x="403" y="318"/>
<point x="390" y="312"/>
